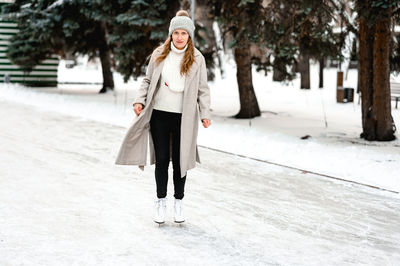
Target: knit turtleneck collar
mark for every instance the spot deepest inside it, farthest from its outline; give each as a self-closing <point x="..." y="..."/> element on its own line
<point x="176" y="50"/>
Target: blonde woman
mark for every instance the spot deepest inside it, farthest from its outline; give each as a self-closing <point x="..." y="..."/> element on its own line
<point x="172" y="97"/>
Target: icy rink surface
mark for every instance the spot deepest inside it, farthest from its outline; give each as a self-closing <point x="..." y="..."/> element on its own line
<point x="64" y="202"/>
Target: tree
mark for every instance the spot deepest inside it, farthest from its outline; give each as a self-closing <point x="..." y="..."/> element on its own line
<point x="297" y="31"/>
<point x="293" y="32"/>
<point x="125" y="31"/>
<point x="374" y="22"/>
<point x="136" y="30"/>
<point x="243" y="20"/>
<point x="58" y="27"/>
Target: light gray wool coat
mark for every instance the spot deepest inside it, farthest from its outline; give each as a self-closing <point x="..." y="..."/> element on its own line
<point x="196" y="103"/>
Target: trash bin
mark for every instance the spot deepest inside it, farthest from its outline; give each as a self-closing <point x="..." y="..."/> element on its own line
<point x="348" y="95"/>
<point x="343" y="95"/>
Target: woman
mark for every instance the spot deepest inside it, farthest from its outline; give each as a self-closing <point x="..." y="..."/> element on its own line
<point x="172" y="96"/>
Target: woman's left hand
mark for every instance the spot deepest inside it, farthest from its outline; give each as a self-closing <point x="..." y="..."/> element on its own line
<point x="206" y="122"/>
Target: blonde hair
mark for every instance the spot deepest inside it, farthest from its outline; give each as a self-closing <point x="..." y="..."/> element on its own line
<point x="188" y="58"/>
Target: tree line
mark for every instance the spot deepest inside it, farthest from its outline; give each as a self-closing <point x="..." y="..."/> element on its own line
<point x="278" y="37"/>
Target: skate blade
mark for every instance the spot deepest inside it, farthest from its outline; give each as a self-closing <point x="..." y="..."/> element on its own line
<point x="179" y="222"/>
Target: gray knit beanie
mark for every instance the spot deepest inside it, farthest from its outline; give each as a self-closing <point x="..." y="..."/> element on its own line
<point x="182" y="22"/>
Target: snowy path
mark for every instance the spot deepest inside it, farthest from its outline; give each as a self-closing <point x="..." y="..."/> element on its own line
<point x="64" y="202"/>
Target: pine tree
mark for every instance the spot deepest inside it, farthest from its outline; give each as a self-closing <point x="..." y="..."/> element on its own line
<point x="58" y="27"/>
<point x="297" y="31"/>
<point x="293" y="32"/>
<point x="374" y="22"/>
<point x="138" y="28"/>
<point x="27" y="48"/>
<point x="124" y="32"/>
<point x="243" y="19"/>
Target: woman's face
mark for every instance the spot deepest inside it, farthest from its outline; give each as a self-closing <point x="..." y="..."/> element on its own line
<point x="180" y="38"/>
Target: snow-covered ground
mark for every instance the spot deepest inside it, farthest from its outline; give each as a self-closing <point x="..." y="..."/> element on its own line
<point x="288" y="113"/>
<point x="63" y="201"/>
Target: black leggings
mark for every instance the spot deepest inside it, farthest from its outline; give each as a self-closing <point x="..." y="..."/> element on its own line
<point x="162" y="126"/>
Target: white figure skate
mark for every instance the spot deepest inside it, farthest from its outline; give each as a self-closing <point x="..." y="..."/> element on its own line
<point x="160" y="210"/>
<point x="179" y="217"/>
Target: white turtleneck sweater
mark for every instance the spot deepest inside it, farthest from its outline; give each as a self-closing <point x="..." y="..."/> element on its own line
<point x="169" y="96"/>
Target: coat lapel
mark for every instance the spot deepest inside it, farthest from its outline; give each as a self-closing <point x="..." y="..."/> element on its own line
<point x="155" y="78"/>
<point x="157" y="72"/>
<point x="191" y="75"/>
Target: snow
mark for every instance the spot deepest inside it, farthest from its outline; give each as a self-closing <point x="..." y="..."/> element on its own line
<point x="25" y="6"/>
<point x="65" y="202"/>
<point x="55" y="4"/>
<point x="288" y="113"/>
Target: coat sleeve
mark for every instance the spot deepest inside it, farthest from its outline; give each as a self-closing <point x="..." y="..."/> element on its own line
<point x="203" y="97"/>
<point x="144" y="87"/>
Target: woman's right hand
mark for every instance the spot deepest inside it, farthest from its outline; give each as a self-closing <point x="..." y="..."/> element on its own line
<point x="138" y="108"/>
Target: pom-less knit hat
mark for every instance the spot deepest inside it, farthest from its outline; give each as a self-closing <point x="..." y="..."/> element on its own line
<point x="181" y="22"/>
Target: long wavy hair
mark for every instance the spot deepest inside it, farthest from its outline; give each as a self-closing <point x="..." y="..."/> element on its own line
<point x="188" y="58"/>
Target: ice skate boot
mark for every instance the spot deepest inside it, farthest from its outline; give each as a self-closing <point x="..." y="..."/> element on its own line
<point x="160" y="210"/>
<point x="179" y="217"/>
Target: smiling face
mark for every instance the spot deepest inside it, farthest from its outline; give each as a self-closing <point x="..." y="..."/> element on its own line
<point x="180" y="38"/>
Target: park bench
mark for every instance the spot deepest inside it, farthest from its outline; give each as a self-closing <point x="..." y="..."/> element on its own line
<point x="395" y="92"/>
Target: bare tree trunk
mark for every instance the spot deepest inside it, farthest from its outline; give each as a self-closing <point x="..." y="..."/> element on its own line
<point x="366" y="79"/>
<point x="382" y="103"/>
<point x="278" y="68"/>
<point x="248" y="101"/>
<point x="321" y="72"/>
<point x="105" y="58"/>
<point x="304" y="69"/>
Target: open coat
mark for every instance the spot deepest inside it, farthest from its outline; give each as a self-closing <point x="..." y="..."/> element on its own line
<point x="196" y="103"/>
